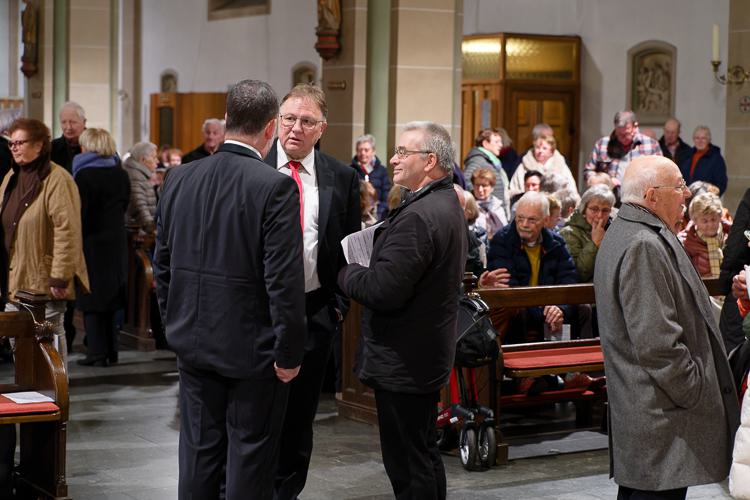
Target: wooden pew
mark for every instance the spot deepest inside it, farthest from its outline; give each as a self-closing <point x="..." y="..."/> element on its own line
<point x="136" y="332"/>
<point x="40" y="473"/>
<point x="549" y="357"/>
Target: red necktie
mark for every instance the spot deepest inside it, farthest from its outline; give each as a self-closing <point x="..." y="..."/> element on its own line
<point x="294" y="166"/>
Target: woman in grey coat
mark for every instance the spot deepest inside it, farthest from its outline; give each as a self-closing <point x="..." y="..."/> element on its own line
<point x="140" y="166"/>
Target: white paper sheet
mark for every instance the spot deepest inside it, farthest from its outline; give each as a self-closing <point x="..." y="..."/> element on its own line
<point x="28" y="397"/>
<point x="358" y="246"/>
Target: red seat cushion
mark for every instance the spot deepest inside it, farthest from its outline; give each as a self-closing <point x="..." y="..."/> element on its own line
<point x="546" y="397"/>
<point x="546" y="358"/>
<point x="8" y="407"/>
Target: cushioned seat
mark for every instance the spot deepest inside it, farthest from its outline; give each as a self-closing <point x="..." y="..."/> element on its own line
<point x="548" y="358"/>
<point x="8" y="407"/>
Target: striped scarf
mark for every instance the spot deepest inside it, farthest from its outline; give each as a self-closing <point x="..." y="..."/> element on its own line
<point x="715" y="255"/>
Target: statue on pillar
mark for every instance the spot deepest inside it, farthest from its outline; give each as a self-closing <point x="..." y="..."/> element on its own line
<point x="329" y="28"/>
<point x="30" y="37"/>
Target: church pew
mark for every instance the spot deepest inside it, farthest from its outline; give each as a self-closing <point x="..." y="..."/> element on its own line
<point x="549" y="357"/>
<point x="40" y="472"/>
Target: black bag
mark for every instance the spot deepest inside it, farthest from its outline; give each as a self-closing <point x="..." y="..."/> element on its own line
<point x="477" y="338"/>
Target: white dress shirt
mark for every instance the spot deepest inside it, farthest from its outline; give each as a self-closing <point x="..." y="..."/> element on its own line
<point x="244" y="145"/>
<point x="311" y="208"/>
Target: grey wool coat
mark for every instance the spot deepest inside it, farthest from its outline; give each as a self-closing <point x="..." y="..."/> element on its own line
<point x="673" y="408"/>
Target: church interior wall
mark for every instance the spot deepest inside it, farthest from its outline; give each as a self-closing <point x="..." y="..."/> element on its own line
<point x="608" y="29"/>
<point x="209" y="56"/>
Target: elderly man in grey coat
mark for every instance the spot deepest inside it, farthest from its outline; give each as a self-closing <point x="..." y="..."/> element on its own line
<point x="673" y="406"/>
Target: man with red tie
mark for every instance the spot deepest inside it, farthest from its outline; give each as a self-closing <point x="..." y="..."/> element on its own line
<point x="329" y="210"/>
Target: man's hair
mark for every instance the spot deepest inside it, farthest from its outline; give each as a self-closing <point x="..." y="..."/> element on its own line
<point x="436" y="140"/>
<point x="99" y="141"/>
<point x="634" y="188"/>
<point x="598" y="192"/>
<point x="365" y="138"/>
<point x="485" y="135"/>
<point x="212" y="121"/>
<point x="675" y="120"/>
<point x="483" y="174"/>
<point x="142" y="149"/>
<point x="705" y="204"/>
<point x="533" y="173"/>
<point x="251" y="104"/>
<point x="534" y="198"/>
<point x="602" y="177"/>
<point x="541" y="129"/>
<point x="553" y="182"/>
<point x="705" y="129"/>
<point x="311" y="92"/>
<point x="568" y="199"/>
<point x="75" y="107"/>
<point x="36" y="131"/>
<point x="623" y="117"/>
<point x="507" y="141"/>
<point x="698" y="187"/>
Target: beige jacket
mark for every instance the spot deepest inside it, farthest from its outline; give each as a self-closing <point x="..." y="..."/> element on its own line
<point x="48" y="244"/>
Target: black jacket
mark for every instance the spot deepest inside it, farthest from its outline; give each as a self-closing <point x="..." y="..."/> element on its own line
<point x="410" y="293"/>
<point x="710" y="168"/>
<point x="105" y="194"/>
<point x="196" y="154"/>
<point x="682" y="151"/>
<point x="228" y="265"/>
<point x="338" y="216"/>
<point x="62" y="153"/>
<point x="5" y="157"/>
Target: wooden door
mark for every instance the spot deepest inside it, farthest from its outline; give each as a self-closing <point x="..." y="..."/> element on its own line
<point x="480" y="108"/>
<point x="556" y="108"/>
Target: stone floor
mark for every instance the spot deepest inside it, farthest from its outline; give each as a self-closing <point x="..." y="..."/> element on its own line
<point x="123" y="430"/>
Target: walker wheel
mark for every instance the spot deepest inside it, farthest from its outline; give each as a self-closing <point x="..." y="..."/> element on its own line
<point x="467" y="447"/>
<point x="487" y="445"/>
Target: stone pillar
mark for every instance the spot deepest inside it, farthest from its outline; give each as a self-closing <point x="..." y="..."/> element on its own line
<point x="737" y="149"/>
<point x="394" y="67"/>
<point x="425" y="56"/>
<point x="344" y="82"/>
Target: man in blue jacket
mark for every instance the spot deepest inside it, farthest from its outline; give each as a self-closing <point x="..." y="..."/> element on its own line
<point x="533" y="255"/>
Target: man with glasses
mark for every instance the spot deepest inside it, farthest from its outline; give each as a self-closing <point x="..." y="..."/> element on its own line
<point x="410" y="292"/>
<point x="328" y="192"/>
<point x="228" y="269"/>
<point x="533" y="255"/>
<point x="672" y="403"/>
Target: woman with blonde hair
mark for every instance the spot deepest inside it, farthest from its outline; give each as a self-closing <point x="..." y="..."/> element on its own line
<point x="545" y="158"/>
<point x="105" y="192"/>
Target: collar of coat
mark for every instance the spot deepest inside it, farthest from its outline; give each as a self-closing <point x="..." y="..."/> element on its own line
<point x="438" y="185"/>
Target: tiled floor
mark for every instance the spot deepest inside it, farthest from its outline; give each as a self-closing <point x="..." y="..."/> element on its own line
<point x="122" y="444"/>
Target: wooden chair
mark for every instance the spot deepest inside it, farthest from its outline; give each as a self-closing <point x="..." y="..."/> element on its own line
<point x="40" y="472"/>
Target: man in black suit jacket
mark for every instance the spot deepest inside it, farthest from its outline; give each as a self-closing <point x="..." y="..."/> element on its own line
<point x="330" y="211"/>
<point x="231" y="290"/>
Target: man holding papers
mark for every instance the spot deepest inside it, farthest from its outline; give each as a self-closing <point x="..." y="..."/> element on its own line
<point x="410" y="292"/>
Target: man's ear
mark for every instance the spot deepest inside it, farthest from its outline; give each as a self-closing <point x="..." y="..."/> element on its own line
<point x="270" y="129"/>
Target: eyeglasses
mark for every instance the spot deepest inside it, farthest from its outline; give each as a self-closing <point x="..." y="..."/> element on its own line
<point x="289" y="120"/>
<point x="597" y="210"/>
<point x="679" y="188"/>
<point x="404" y="153"/>
<point x="16" y="144"/>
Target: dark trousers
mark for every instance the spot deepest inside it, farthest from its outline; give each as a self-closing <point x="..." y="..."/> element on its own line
<point x="228" y="422"/>
<point x="625" y="493"/>
<point x="304" y="394"/>
<point x="100" y="333"/>
<point x="408" y="441"/>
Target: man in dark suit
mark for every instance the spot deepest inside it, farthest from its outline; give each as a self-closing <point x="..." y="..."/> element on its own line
<point x="213" y="136"/>
<point x="410" y="293"/>
<point x="230" y="287"/>
<point x="329" y="195"/>
<point x="671" y="144"/>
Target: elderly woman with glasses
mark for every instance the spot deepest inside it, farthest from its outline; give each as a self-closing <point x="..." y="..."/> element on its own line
<point x="41" y="218"/>
<point x="584" y="231"/>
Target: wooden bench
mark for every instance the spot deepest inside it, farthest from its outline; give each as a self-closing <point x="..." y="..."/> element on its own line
<point x="40" y="473"/>
<point x="550" y="357"/>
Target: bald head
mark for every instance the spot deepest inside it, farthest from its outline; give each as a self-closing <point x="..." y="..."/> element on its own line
<point x="656" y="183"/>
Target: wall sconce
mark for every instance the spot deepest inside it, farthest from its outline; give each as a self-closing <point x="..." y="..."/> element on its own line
<point x="735" y="74"/>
